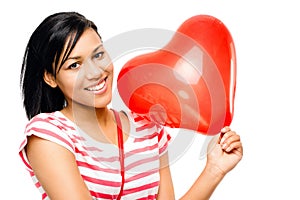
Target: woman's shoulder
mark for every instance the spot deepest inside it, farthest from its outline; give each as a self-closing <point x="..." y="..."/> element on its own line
<point x="51" y="118"/>
<point x="49" y="115"/>
<point x="53" y="121"/>
<point x="137" y="117"/>
<point x="53" y="127"/>
<point x="142" y="123"/>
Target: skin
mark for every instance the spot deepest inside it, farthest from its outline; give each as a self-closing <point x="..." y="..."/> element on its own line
<point x="87" y="66"/>
<point x="224" y="154"/>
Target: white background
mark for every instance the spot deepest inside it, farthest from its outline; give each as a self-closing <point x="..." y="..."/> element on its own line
<point x="266" y="35"/>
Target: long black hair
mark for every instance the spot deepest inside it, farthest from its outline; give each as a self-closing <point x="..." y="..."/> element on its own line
<point x="52" y="41"/>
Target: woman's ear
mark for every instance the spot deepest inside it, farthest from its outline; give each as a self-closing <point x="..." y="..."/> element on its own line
<point x="49" y="79"/>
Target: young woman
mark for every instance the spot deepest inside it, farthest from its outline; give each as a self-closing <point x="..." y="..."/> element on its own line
<point x="75" y="147"/>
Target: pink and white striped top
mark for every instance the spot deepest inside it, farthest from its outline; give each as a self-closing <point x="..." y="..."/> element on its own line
<point x="98" y="162"/>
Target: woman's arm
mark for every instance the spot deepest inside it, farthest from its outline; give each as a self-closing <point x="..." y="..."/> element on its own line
<point x="223" y="155"/>
<point x="205" y="184"/>
<point x="56" y="170"/>
<point x="166" y="190"/>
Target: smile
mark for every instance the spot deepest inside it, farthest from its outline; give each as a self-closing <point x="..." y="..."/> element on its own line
<point x="99" y="87"/>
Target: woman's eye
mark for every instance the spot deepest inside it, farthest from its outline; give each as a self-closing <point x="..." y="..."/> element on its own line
<point x="73" y="66"/>
<point x="99" y="55"/>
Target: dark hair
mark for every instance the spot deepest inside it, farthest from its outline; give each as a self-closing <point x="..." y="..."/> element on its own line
<point x="43" y="53"/>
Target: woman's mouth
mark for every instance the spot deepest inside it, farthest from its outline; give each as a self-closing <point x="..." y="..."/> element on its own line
<point x="99" y="88"/>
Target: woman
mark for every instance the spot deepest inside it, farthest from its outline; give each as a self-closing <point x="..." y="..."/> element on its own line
<point x="75" y="147"/>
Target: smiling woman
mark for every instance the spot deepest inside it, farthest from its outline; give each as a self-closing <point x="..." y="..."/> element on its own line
<point x="85" y="77"/>
<point x="74" y="146"/>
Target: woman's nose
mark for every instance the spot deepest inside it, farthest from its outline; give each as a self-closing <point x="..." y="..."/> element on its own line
<point x="92" y="69"/>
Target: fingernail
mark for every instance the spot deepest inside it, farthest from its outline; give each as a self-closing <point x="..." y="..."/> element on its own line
<point x="228" y="149"/>
<point x="224" y="146"/>
<point x="224" y="129"/>
<point x="222" y="140"/>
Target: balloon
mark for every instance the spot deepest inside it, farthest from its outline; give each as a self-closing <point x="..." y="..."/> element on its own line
<point x="189" y="83"/>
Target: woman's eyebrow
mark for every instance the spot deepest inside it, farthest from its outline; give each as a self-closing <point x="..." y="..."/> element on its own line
<point x="74" y="58"/>
<point x="78" y="57"/>
<point x="98" y="47"/>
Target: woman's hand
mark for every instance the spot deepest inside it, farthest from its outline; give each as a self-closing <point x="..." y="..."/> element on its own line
<point x="225" y="152"/>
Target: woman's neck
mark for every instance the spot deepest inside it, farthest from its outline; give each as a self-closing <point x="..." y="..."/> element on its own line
<point x="79" y="114"/>
<point x="99" y="123"/>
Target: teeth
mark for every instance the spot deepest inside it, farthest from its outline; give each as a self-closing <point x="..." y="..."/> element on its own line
<point x="97" y="87"/>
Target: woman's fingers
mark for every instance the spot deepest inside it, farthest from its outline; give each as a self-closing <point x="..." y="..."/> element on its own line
<point x="229" y="139"/>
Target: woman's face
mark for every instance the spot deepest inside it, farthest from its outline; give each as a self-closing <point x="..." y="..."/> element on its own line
<point x="87" y="75"/>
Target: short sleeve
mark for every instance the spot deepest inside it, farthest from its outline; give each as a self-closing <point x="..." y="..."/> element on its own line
<point x="48" y="127"/>
<point x="163" y="140"/>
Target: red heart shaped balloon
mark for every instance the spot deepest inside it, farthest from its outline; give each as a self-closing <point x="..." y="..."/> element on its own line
<point x="190" y="82"/>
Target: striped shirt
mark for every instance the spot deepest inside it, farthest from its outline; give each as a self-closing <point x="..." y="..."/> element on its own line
<point x="98" y="162"/>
